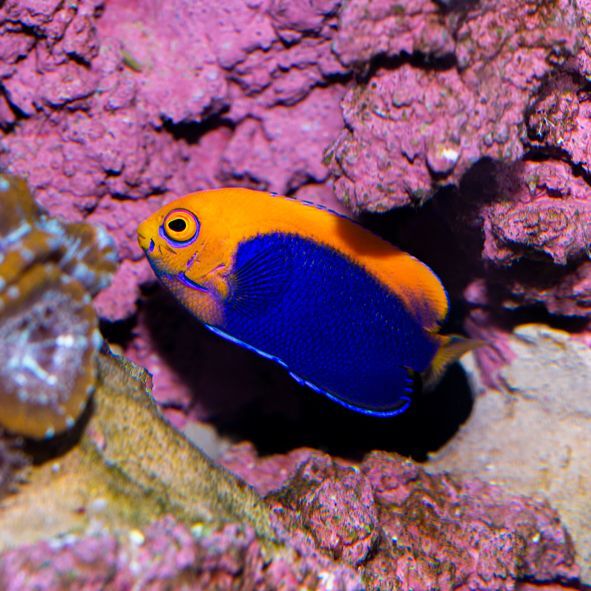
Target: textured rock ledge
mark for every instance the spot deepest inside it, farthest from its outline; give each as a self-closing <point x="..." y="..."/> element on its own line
<point x="134" y="500"/>
<point x="543" y="411"/>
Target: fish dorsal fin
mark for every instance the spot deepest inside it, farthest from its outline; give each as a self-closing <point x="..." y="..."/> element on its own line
<point x="429" y="306"/>
<point x="420" y="289"/>
<point x="452" y="347"/>
<point x="262" y="275"/>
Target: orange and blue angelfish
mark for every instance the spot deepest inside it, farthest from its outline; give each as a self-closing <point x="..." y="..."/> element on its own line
<point x="346" y="313"/>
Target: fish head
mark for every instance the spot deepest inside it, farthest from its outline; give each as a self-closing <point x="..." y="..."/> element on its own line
<point x="189" y="249"/>
<point x="169" y="238"/>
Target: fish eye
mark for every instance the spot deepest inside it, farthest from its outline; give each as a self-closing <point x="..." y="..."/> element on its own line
<point x="177" y="225"/>
<point x="180" y="226"/>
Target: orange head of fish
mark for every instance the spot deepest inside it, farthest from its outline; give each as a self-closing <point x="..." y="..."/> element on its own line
<point x="187" y="256"/>
<point x="169" y="237"/>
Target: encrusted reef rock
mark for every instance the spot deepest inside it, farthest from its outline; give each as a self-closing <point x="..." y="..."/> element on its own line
<point x="490" y="99"/>
<point x="424" y="121"/>
<point x="405" y="529"/>
<point x="544" y="412"/>
<point x="49" y="337"/>
<point x="167" y="555"/>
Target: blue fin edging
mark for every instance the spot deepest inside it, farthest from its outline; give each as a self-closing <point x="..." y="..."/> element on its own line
<point x="405" y="401"/>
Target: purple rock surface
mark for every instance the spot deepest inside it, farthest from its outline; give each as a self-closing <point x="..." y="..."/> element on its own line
<point x="403" y="528"/>
<point x="167" y="555"/>
<point x="419" y="123"/>
<point x="382" y="524"/>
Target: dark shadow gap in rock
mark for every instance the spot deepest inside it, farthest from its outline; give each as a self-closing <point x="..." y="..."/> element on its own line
<point x="192" y="132"/>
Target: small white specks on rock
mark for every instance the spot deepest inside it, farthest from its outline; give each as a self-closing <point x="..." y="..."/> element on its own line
<point x="27" y="255"/>
<point x="49" y="433"/>
<point x="65" y="340"/>
<point x="98" y="505"/>
<point x="97" y="339"/>
<point x="136" y="537"/>
<point x="4" y="184"/>
<point x="450" y="154"/>
<point x="13" y="292"/>
<point x="62" y="541"/>
<point x="327" y="579"/>
<point x="197" y="530"/>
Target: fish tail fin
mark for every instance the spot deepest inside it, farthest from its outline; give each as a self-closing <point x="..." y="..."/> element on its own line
<point x="451" y="348"/>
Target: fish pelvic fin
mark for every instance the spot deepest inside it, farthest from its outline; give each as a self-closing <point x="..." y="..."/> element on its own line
<point x="451" y="348"/>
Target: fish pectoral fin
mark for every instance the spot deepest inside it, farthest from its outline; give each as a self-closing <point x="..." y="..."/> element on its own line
<point x="213" y="280"/>
<point x="195" y="275"/>
<point x="451" y="348"/>
<point x="262" y="275"/>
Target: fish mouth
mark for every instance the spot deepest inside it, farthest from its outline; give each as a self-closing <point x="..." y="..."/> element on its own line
<point x="146" y="244"/>
<point x="189" y="283"/>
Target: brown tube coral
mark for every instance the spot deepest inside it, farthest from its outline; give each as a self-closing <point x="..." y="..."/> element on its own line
<point x="49" y="334"/>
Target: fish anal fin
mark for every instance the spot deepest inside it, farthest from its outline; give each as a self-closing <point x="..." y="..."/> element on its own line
<point x="451" y="348"/>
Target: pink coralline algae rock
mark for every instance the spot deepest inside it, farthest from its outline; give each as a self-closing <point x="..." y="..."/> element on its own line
<point x="284" y="153"/>
<point x="112" y="108"/>
<point x="534" y="218"/>
<point x="367" y="29"/>
<point x="450" y="86"/>
<point x="540" y="211"/>
<point x="334" y="505"/>
<point x="405" y="529"/>
<point x="420" y="123"/>
<point x="179" y="86"/>
<point x="62" y="564"/>
<point x="167" y="555"/>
